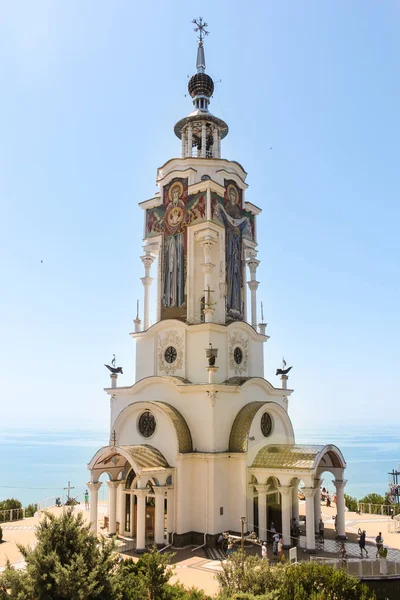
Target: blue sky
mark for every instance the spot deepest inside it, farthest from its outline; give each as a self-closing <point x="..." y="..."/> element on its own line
<point x="90" y="94"/>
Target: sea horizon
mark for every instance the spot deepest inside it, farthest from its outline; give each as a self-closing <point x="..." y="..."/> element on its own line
<point x="45" y="460"/>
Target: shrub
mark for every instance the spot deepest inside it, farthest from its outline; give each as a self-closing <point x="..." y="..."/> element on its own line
<point x="304" y="581"/>
<point x="1" y="535"/>
<point x="30" y="510"/>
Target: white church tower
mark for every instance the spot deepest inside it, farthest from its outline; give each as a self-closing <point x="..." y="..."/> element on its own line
<point x="201" y="439"/>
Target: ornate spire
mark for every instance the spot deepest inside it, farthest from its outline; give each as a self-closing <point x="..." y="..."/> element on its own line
<point x="201" y="86"/>
<point x="201" y="132"/>
<point x="201" y="28"/>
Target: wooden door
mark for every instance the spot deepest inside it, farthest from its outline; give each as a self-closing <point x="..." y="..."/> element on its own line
<point x="150" y="520"/>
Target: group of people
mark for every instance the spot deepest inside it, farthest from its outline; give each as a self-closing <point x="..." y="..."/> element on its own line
<point x="277" y="542"/>
<point x="325" y="497"/>
<point x="361" y="542"/>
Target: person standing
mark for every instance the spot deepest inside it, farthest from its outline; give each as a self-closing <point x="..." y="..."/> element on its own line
<point x="264" y="553"/>
<point x="361" y="542"/>
<point x="379" y="543"/>
<point x="275" y="541"/>
<point x="321" y="529"/>
<point x="280" y="547"/>
<point x="86" y="500"/>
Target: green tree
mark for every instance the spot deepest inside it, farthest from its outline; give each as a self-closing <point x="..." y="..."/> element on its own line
<point x="147" y="579"/>
<point x="373" y="499"/>
<point x="8" y="505"/>
<point x="30" y="510"/>
<point x="351" y="503"/>
<point x="68" y="563"/>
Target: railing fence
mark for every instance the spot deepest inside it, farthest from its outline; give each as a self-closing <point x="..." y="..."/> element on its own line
<point x="362" y="568"/>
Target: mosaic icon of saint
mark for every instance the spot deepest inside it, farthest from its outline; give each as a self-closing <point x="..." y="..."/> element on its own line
<point x="174" y="276"/>
<point x="235" y="224"/>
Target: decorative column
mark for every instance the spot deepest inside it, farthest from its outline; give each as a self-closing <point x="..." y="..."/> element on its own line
<point x="253" y="285"/>
<point x="286" y="497"/>
<point x="340" y="509"/>
<point x="317" y="503"/>
<point x="147" y="260"/>
<point x="93" y="500"/>
<point x="262" y="511"/>
<point x="112" y="507"/>
<point x="310" y="523"/>
<point x="159" y="516"/>
<point x="215" y="142"/>
<point x="250" y="507"/>
<point x="170" y="510"/>
<point x="183" y="142"/>
<point x="189" y="140"/>
<point x="203" y="140"/>
<point x="141" y="519"/>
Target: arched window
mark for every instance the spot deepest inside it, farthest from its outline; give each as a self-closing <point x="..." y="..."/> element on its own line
<point x="129" y="479"/>
<point x="202" y="307"/>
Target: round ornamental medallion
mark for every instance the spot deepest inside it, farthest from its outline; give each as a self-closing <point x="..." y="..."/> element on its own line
<point x="266" y="424"/>
<point x="146" y="424"/>
<point x="238" y="355"/>
<point x="170" y="354"/>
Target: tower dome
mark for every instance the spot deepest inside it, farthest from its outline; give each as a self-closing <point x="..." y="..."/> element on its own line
<point x="201" y="84"/>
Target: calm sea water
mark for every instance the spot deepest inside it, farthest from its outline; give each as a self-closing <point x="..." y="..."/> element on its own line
<point x="37" y="464"/>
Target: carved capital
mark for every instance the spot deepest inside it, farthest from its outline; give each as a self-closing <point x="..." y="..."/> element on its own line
<point x="160" y="490"/>
<point x="253" y="264"/>
<point x="147" y="281"/>
<point x="309" y="492"/>
<point x="207" y="267"/>
<point x="141" y="493"/>
<point x="285" y="490"/>
<point x="253" y="285"/>
<point x="112" y="484"/>
<point x="262" y="488"/>
<point x="147" y="260"/>
<point x="339" y="483"/>
<point x="94" y="486"/>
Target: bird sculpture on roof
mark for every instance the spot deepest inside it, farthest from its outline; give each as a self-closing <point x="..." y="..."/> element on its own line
<point x="283" y="370"/>
<point x="113" y="368"/>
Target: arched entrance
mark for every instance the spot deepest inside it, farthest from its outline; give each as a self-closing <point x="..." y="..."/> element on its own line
<point x="140" y="503"/>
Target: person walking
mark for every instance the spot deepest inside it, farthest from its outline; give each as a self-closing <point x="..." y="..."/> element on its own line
<point x="264" y="553"/>
<point x="321" y="529"/>
<point x="379" y="543"/>
<point x="361" y="542"/>
<point x="342" y="551"/>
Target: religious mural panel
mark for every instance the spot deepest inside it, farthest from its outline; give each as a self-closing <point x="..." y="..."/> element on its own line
<point x="239" y="224"/>
<point x="171" y="219"/>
